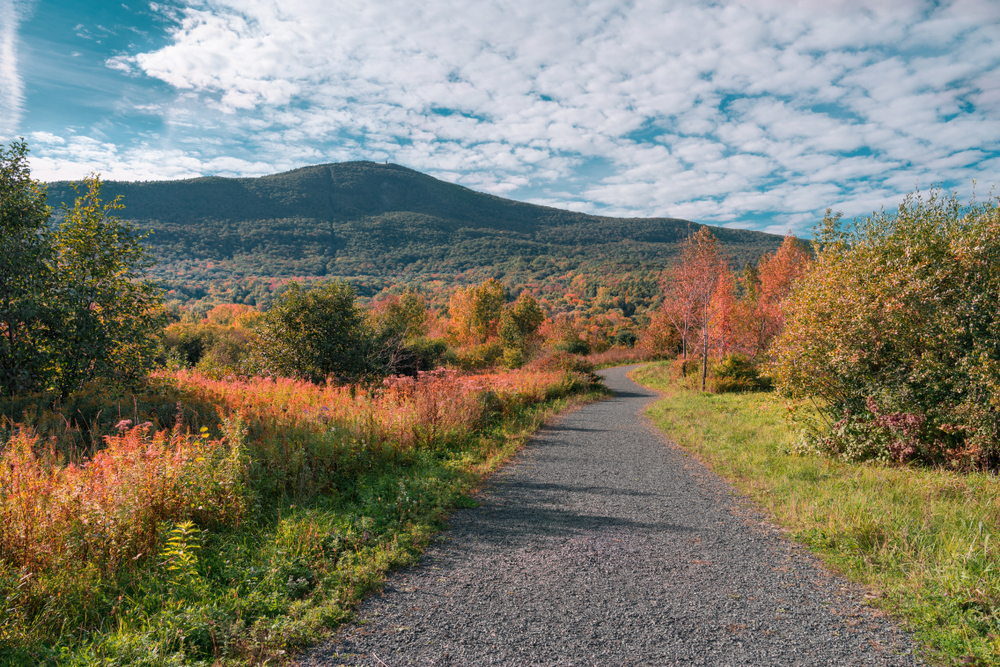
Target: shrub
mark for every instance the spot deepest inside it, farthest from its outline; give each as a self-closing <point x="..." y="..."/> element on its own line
<point x="898" y="322"/>
<point x="430" y="353"/>
<point x="737" y="372"/>
<point x="572" y="346"/>
<point x="312" y="335"/>
<point x="480" y="356"/>
<point x="625" y="338"/>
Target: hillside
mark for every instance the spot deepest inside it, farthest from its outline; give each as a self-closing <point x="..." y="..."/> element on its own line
<point x="379" y="224"/>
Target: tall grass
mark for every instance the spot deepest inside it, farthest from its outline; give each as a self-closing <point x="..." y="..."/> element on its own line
<point x="924" y="541"/>
<point x="242" y="540"/>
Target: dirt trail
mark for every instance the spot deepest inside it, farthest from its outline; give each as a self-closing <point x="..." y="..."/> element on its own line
<point x="603" y="544"/>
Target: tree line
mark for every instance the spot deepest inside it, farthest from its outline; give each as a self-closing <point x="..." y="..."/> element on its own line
<point x="883" y="335"/>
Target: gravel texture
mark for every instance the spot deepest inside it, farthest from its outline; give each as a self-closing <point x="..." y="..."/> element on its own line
<point x="604" y="544"/>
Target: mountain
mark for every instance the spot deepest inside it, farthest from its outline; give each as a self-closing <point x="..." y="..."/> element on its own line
<point x="377" y="224"/>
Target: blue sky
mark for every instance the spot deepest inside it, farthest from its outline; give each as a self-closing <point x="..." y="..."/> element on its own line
<point x="753" y="113"/>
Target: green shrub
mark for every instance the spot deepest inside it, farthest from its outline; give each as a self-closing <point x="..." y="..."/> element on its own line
<point x="898" y="324"/>
<point x="563" y="361"/>
<point x="480" y="356"/>
<point x="572" y="346"/>
<point x="625" y="338"/>
<point x="737" y="372"/>
<point x="314" y="335"/>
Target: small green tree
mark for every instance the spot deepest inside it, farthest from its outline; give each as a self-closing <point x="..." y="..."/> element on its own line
<point x="27" y="316"/>
<point x="74" y="303"/>
<point x="313" y="335"/>
<point x="401" y="317"/>
<point x="396" y="326"/>
<point x="109" y="313"/>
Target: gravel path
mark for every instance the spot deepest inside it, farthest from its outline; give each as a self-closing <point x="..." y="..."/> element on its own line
<point x="603" y="544"/>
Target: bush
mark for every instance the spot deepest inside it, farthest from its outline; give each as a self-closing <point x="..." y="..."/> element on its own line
<point x="572" y="346"/>
<point x="189" y="342"/>
<point x="107" y="510"/>
<point x="480" y="356"/>
<point x="737" y="372"/>
<point x="625" y="338"/>
<point x="898" y="323"/>
<point x="226" y="355"/>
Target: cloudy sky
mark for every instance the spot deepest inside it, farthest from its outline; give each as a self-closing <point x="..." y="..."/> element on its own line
<point x="752" y="113"/>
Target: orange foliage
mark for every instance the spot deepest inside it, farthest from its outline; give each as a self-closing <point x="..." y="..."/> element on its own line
<point x="106" y="510"/>
<point x="298" y="437"/>
<point x="692" y="298"/>
<point x="760" y="316"/>
<point x="232" y="315"/>
<point x="402" y="413"/>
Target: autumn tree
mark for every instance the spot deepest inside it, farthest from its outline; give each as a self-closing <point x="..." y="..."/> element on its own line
<point x="518" y="328"/>
<point x="660" y="336"/>
<point x="679" y="306"/>
<point x="692" y="290"/>
<point x="232" y="315"/>
<point x="723" y="325"/>
<point x="759" y="316"/>
<point x="475" y="312"/>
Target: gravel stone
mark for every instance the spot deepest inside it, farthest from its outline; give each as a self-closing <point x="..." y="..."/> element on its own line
<point x="602" y="543"/>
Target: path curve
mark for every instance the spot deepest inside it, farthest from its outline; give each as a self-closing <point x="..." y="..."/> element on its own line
<point x="602" y="543"/>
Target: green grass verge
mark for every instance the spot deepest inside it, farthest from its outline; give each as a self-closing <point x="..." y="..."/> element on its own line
<point x="926" y="542"/>
<point x="258" y="593"/>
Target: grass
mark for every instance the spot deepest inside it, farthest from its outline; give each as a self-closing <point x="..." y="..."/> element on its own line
<point x="249" y="539"/>
<point x="926" y="542"/>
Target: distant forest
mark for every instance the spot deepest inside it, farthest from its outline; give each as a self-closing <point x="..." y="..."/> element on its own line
<point x="380" y="226"/>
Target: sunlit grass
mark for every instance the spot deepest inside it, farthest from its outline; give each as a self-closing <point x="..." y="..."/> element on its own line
<point x="924" y="541"/>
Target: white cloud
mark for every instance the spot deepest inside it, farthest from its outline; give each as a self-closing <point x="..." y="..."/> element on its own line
<point x="11" y="85"/>
<point x="716" y="111"/>
<point x="62" y="159"/>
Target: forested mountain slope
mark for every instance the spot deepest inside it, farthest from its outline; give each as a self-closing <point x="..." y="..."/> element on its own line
<point x="382" y="223"/>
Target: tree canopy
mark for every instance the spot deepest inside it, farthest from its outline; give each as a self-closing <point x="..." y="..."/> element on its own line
<point x="315" y="335"/>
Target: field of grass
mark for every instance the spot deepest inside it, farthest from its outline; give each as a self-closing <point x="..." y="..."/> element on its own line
<point x="240" y="541"/>
<point x="925" y="542"/>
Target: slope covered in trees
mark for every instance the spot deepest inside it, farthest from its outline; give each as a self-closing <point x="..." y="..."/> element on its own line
<point x="383" y="224"/>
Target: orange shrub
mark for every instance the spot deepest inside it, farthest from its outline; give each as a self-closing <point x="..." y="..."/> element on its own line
<point x="106" y="510"/>
<point x="300" y="439"/>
